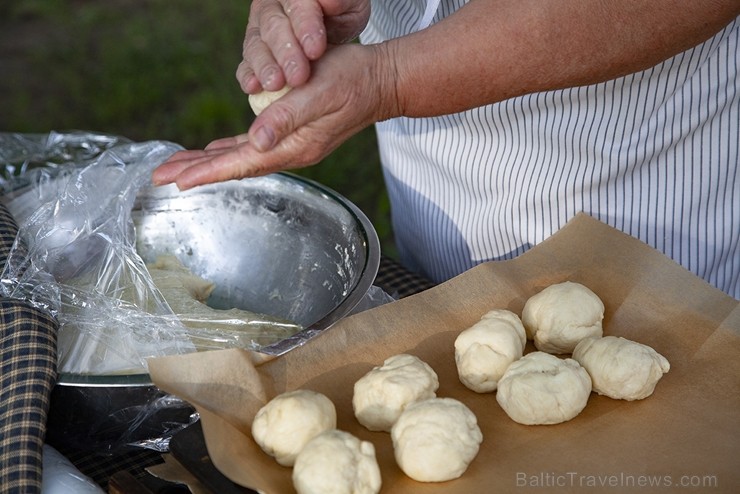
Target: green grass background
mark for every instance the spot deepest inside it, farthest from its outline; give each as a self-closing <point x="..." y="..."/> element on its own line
<point x="151" y="70"/>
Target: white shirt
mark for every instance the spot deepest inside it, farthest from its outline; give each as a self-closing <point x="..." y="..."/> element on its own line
<point x="653" y="154"/>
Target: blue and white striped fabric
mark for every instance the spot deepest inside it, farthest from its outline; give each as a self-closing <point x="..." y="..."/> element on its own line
<point x="654" y="154"/>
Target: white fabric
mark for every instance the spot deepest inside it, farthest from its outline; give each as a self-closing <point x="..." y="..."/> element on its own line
<point x="654" y="154"/>
<point x="60" y="476"/>
<point x="429" y="12"/>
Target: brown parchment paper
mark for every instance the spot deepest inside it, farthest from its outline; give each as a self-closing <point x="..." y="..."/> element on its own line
<point x="686" y="435"/>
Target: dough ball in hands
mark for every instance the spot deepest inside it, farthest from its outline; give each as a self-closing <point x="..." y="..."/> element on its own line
<point x="336" y="462"/>
<point x="540" y="388"/>
<point x="383" y="393"/>
<point x="561" y="315"/>
<point x="287" y="422"/>
<point x="620" y="368"/>
<point x="262" y="100"/>
<point x="485" y="350"/>
<point x="435" y="440"/>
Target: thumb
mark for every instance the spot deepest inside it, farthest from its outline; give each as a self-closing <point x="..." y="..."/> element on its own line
<point x="262" y="136"/>
<point x="280" y="119"/>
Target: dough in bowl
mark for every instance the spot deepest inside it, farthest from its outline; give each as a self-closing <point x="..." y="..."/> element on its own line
<point x="486" y="349"/>
<point x="384" y="392"/>
<point x="561" y="315"/>
<point x="263" y="99"/>
<point x="287" y="422"/>
<point x="436" y="439"/>
<point x="336" y="462"/>
<point x="620" y="368"/>
<point x="540" y="388"/>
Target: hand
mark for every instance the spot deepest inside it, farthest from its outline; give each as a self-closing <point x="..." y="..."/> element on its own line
<point x="284" y="36"/>
<point x="351" y="87"/>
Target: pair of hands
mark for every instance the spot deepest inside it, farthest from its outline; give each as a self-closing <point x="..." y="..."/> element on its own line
<point x="339" y="88"/>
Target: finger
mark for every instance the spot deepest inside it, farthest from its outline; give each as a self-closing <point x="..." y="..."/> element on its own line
<point x="248" y="82"/>
<point x="283" y="117"/>
<point x="167" y="172"/>
<point x="258" y="59"/>
<point x="307" y="19"/>
<point x="345" y="19"/>
<point x="238" y="162"/>
<point x="341" y="31"/>
<point x="276" y="31"/>
<point x="175" y="166"/>
<point x="274" y="123"/>
<point x="226" y="142"/>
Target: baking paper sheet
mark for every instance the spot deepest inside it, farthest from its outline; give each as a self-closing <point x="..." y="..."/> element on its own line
<point x="686" y="435"/>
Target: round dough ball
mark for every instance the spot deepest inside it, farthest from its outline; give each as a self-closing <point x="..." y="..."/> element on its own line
<point x="561" y="315"/>
<point x="336" y="462"/>
<point x="540" y="388"/>
<point x="383" y="393"/>
<point x="262" y="100"/>
<point x="287" y="422"/>
<point x="485" y="350"/>
<point x="435" y="440"/>
<point x="620" y="368"/>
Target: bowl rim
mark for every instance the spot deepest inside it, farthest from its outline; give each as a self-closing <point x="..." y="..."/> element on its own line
<point x="366" y="280"/>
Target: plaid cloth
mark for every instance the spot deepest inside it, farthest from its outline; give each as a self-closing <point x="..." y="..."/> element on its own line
<point x="28" y="373"/>
<point x="398" y="281"/>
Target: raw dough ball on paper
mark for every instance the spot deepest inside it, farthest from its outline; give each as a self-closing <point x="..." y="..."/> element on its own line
<point x="486" y="349"/>
<point x="336" y="462"/>
<point x="540" y="388"/>
<point x="435" y="440"/>
<point x="287" y="422"/>
<point x="561" y="315"/>
<point x="383" y="393"/>
<point x="262" y="100"/>
<point x="621" y="368"/>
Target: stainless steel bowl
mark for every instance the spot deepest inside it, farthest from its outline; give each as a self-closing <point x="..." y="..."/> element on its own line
<point x="280" y="245"/>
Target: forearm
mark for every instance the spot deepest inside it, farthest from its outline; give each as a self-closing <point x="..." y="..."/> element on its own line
<point x="491" y="50"/>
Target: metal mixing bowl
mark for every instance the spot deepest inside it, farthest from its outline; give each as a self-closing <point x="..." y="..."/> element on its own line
<point x="280" y="245"/>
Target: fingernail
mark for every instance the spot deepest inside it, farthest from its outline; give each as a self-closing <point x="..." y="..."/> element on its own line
<point x="264" y="139"/>
<point x="268" y="76"/>
<point x="308" y="40"/>
<point x="311" y="43"/>
<point x="290" y="67"/>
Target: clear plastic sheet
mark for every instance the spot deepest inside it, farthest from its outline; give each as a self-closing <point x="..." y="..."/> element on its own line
<point x="75" y="252"/>
<point x="72" y="196"/>
<point x="21" y="153"/>
<point x="108" y="419"/>
<point x="75" y="256"/>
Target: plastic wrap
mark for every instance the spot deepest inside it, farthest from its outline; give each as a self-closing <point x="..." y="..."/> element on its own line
<point x="75" y="252"/>
<point x="110" y="419"/>
<point x="20" y="154"/>
<point x="75" y="256"/>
